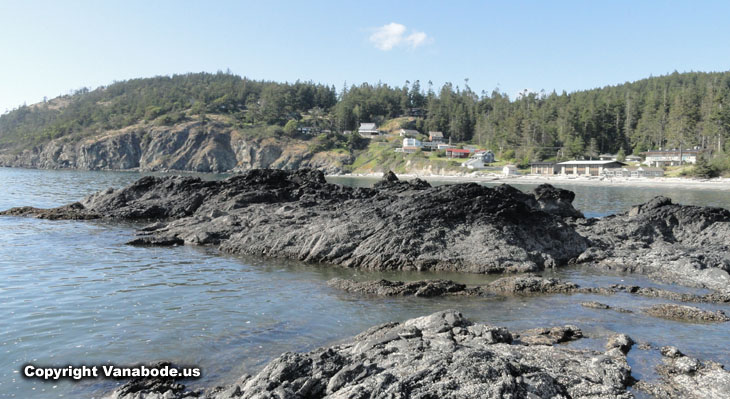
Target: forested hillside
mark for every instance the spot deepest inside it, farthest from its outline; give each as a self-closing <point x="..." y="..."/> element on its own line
<point x="688" y="108"/>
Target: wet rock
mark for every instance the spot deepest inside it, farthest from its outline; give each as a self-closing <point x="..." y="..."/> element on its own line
<point x="670" y="351"/>
<point x="686" y="313"/>
<point x="423" y="288"/>
<point x="529" y="284"/>
<point x="681" y="244"/>
<point x="505" y="286"/>
<point x="599" y="305"/>
<point x="686" y="377"/>
<point x="441" y="355"/>
<point x="550" y="336"/>
<point x="595" y="305"/>
<point x="297" y="214"/>
<point x="621" y="341"/>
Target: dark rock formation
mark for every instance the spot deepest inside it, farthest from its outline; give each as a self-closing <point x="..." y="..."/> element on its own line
<point x="686" y="377"/>
<point x="680" y="244"/>
<point x="529" y="284"/>
<point x="686" y="313"/>
<point x="423" y="288"/>
<point x="506" y="286"/>
<point x="437" y="356"/>
<point x="400" y="225"/>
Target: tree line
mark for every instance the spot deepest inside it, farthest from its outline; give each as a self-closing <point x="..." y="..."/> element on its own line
<point x="687" y="109"/>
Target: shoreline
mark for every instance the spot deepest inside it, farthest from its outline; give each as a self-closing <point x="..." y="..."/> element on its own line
<point x="718" y="183"/>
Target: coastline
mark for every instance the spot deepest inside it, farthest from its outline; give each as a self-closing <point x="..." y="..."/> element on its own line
<point x="719" y="183"/>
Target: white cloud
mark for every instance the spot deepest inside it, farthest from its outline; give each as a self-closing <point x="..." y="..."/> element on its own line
<point x="393" y="35"/>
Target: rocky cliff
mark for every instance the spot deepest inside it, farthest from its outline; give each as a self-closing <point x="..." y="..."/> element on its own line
<point x="192" y="146"/>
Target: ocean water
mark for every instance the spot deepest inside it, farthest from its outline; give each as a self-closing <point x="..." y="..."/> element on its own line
<point x="71" y="292"/>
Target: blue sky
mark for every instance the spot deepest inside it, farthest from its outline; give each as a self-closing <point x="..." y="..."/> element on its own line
<point x="51" y="47"/>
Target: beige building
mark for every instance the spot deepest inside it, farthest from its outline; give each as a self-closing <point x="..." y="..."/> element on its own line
<point x="587" y="168"/>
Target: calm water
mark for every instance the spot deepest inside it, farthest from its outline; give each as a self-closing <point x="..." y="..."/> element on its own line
<point x="73" y="293"/>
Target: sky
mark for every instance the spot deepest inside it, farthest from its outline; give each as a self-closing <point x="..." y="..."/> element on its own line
<point x="49" y="48"/>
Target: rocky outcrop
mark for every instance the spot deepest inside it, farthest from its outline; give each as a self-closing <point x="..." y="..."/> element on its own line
<point x="437" y="356"/>
<point x="397" y="225"/>
<point x="506" y="286"/>
<point x="686" y="313"/>
<point x="423" y="288"/>
<point x="191" y="146"/>
<point x="686" y="377"/>
<point x="410" y="225"/>
<point x="680" y="244"/>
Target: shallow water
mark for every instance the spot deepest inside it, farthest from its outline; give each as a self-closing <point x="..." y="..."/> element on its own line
<point x="72" y="293"/>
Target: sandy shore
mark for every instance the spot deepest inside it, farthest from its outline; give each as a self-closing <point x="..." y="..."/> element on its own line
<point x="669" y="182"/>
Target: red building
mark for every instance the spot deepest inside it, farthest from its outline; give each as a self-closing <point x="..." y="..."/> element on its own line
<point x="457" y="153"/>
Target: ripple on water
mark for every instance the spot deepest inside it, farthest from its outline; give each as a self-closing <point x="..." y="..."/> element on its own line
<point x="71" y="292"/>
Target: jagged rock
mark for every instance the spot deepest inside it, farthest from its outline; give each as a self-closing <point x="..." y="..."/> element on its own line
<point x="621" y="341"/>
<point x="529" y="284"/>
<point x="681" y="244"/>
<point x="685" y="377"/>
<point x="550" y="336"/>
<point x="686" y="313"/>
<point x="423" y="288"/>
<point x="401" y="225"/>
<point x="214" y="146"/>
<point x="437" y="356"/>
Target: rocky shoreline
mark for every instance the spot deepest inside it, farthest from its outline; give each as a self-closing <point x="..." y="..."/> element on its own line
<point x="444" y="355"/>
<point x="410" y="225"/>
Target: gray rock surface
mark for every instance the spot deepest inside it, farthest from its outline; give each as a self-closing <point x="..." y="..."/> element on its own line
<point x="213" y="147"/>
<point x="686" y="377"/>
<point x="438" y="356"/>
<point x="397" y="225"/>
<point x="686" y="313"/>
<point x="688" y="245"/>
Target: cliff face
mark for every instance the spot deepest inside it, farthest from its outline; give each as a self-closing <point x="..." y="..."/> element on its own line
<point x="215" y="147"/>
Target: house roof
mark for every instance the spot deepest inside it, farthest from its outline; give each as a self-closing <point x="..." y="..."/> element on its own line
<point x="644" y="168"/>
<point x="367" y="126"/>
<point x="597" y="163"/>
<point x="542" y="163"/>
<point x="435" y="134"/>
<point x="671" y="152"/>
<point x="411" y="131"/>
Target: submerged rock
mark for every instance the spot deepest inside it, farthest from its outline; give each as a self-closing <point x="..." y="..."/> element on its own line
<point x="423" y="288"/>
<point x="437" y="356"/>
<point x="686" y="313"/>
<point x="599" y="305"/>
<point x="396" y="225"/>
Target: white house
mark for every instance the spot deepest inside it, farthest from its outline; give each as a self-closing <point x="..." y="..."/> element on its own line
<point x="368" y="130"/>
<point x="671" y="157"/>
<point x="411" y="145"/>
<point x="409" y="133"/>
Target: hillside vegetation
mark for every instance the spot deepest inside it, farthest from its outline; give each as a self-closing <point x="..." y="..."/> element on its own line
<point x="688" y="109"/>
